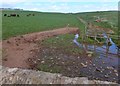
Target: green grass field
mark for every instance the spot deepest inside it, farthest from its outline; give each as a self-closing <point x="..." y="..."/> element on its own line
<point x="13" y="26"/>
<point x="110" y="17"/>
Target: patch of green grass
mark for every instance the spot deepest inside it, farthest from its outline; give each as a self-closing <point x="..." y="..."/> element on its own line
<point x="42" y="21"/>
<point x="46" y="68"/>
<point x="116" y="41"/>
<point x="111" y="18"/>
<point x="87" y="40"/>
<point x="13" y="26"/>
<point x="63" y="43"/>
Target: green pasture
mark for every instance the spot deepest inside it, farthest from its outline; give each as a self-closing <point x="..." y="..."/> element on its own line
<point x="110" y="19"/>
<point x="42" y="21"/>
<point x="13" y="26"/>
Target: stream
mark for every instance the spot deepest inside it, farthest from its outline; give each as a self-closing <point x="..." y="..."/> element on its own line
<point x="106" y="60"/>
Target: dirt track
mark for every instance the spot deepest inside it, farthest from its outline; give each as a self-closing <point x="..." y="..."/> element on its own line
<point x="17" y="50"/>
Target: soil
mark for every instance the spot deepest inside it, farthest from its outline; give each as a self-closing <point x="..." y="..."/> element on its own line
<point x="50" y="59"/>
<point x="25" y="52"/>
<point x="18" y="50"/>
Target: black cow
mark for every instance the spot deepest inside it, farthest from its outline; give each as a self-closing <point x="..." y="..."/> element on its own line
<point x="5" y="14"/>
<point x="18" y="15"/>
<point x="13" y="15"/>
<point x="28" y="14"/>
<point x="8" y="16"/>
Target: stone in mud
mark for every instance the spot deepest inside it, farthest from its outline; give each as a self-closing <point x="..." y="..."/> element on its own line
<point x="98" y="70"/>
<point x="103" y="62"/>
<point x="35" y="62"/>
<point x="93" y="65"/>
<point x="89" y="53"/>
<point x="99" y="57"/>
<point x="51" y="58"/>
<point x="116" y="74"/>
<point x="110" y="72"/>
<point x="58" y="58"/>
<point x="38" y="59"/>
<point x="103" y="69"/>
<point x="106" y="76"/>
<point x="63" y="62"/>
<point x="110" y="68"/>
<point x="69" y="69"/>
<point x="42" y="62"/>
<point x="115" y="71"/>
<point x="83" y="65"/>
<point x="90" y="61"/>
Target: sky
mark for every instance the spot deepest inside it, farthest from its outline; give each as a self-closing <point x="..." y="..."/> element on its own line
<point x="64" y="6"/>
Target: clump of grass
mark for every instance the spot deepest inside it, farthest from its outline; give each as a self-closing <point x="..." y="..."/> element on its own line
<point x="46" y="68"/>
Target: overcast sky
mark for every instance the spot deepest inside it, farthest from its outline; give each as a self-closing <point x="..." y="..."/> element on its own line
<point x="65" y="6"/>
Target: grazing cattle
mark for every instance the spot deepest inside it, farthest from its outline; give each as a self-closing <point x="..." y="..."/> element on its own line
<point x="8" y="16"/>
<point x="30" y="15"/>
<point x="17" y="15"/>
<point x="14" y="15"/>
<point x="5" y="14"/>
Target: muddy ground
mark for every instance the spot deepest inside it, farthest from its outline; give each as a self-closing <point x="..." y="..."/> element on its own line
<point x="17" y="50"/>
<point x="24" y="52"/>
<point x="57" y="61"/>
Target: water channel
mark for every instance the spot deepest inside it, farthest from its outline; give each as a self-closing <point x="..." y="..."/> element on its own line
<point x="106" y="60"/>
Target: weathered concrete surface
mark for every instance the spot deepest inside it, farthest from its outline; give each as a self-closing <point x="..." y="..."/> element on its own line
<point x="24" y="76"/>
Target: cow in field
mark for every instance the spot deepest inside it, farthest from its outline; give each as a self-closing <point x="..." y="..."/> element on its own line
<point x="30" y="15"/>
<point x="17" y="15"/>
<point x="13" y="15"/>
<point x="8" y="16"/>
<point x="5" y="14"/>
